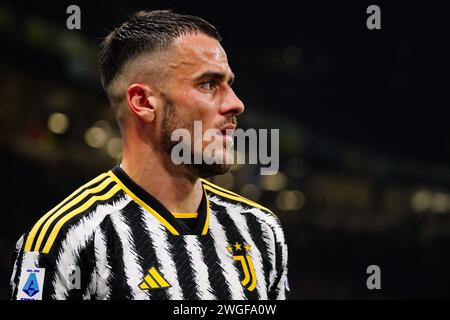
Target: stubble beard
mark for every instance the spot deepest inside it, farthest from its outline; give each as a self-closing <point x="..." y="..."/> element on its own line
<point x="170" y="122"/>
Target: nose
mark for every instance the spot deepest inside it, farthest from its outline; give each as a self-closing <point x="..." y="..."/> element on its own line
<point x="231" y="104"/>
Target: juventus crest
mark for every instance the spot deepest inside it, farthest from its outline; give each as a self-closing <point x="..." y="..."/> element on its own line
<point x="244" y="260"/>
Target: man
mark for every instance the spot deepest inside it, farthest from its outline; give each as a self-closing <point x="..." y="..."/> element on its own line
<point x="149" y="228"/>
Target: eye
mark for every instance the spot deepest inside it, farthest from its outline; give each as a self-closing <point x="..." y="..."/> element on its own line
<point x="208" y="85"/>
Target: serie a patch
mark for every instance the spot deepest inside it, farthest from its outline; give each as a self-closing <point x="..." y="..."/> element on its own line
<point x="31" y="284"/>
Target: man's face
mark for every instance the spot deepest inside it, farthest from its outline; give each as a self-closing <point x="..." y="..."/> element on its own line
<point x="198" y="88"/>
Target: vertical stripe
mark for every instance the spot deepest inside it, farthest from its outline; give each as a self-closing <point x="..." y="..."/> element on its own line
<point x="281" y="287"/>
<point x="18" y="256"/>
<point x="215" y="273"/>
<point x="117" y="282"/>
<point x="279" y="239"/>
<point x="133" y="271"/>
<point x="142" y="245"/>
<point x="185" y="272"/>
<point x="226" y="261"/>
<point x="29" y="260"/>
<point x="87" y="261"/>
<point x="267" y="239"/>
<point x="102" y="267"/>
<point x="201" y="280"/>
<point x="90" y="288"/>
<point x="76" y="239"/>
<point x="233" y="237"/>
<point x="235" y="214"/>
<point x="162" y="249"/>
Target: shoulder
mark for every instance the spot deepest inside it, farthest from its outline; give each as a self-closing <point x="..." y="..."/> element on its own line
<point x="227" y="198"/>
<point x="76" y="217"/>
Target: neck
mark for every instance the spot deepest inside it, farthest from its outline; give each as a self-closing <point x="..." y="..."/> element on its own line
<point x="146" y="166"/>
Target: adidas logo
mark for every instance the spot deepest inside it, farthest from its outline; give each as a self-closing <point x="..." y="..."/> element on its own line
<point x="153" y="280"/>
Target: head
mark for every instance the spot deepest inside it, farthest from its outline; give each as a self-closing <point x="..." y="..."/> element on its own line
<point x="162" y="71"/>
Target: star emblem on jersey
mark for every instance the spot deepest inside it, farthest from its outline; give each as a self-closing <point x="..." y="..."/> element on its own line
<point x="153" y="280"/>
<point x="240" y="253"/>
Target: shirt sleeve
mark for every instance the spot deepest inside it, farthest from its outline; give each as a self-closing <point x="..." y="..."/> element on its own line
<point x="45" y="276"/>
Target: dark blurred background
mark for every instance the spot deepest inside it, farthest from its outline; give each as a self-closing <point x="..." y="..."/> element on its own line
<point x="365" y="151"/>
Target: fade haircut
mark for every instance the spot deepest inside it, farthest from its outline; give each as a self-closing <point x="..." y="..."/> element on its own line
<point x="144" y="32"/>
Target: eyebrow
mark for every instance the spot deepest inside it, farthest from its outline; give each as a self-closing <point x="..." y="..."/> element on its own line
<point x="218" y="76"/>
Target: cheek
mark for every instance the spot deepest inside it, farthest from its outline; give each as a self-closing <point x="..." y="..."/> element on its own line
<point x="193" y="105"/>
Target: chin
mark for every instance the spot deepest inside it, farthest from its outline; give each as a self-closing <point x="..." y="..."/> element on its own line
<point x="209" y="170"/>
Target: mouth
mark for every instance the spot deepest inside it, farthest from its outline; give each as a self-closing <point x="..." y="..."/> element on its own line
<point x="228" y="129"/>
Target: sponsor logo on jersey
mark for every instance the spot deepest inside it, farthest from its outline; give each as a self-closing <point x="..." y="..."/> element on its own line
<point x="153" y="280"/>
<point x="31" y="284"/>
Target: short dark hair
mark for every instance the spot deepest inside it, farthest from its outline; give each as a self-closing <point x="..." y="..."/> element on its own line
<point x="146" y="32"/>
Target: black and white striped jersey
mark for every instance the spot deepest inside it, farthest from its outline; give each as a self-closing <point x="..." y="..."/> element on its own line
<point x="110" y="239"/>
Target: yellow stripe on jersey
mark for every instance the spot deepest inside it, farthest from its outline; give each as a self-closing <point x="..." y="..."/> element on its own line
<point x="42" y="220"/>
<point x="205" y="228"/>
<point x="65" y="208"/>
<point x="195" y="215"/>
<point x="233" y="196"/>
<point x="185" y="215"/>
<point x="75" y="212"/>
<point x="144" y="205"/>
<point x="215" y="186"/>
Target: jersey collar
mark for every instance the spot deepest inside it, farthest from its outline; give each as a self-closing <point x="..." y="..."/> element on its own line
<point x="156" y="208"/>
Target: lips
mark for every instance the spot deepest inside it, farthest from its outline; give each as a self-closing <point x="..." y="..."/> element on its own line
<point x="230" y="127"/>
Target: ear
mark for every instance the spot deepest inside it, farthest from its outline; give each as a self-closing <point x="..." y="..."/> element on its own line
<point x="142" y="101"/>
